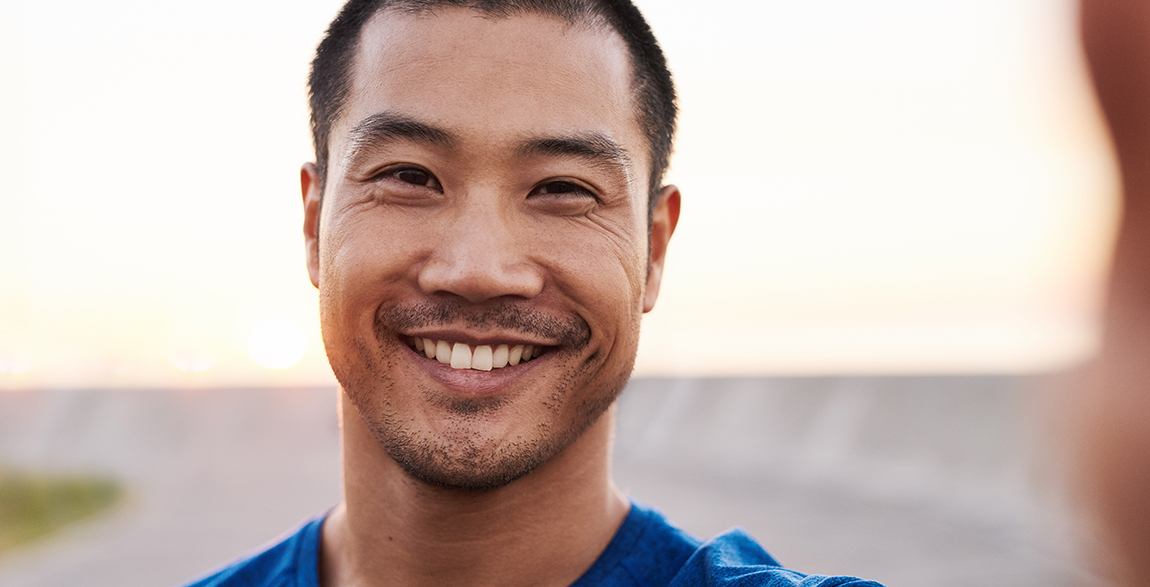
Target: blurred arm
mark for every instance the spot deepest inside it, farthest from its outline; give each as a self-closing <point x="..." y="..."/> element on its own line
<point x="1116" y="38"/>
<point x="1116" y="419"/>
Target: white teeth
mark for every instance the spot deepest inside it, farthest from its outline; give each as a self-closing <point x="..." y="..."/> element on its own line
<point x="499" y="359"/>
<point x="460" y="356"/>
<point x="482" y="358"/>
<point x="442" y="352"/>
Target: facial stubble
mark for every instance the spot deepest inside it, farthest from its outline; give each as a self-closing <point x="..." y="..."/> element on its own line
<point x="461" y="454"/>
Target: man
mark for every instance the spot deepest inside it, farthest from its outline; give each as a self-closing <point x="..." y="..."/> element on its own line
<point x="486" y="225"/>
<point x="1112" y="411"/>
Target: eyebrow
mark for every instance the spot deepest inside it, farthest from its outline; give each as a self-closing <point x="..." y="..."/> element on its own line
<point x="595" y="148"/>
<point x="386" y="127"/>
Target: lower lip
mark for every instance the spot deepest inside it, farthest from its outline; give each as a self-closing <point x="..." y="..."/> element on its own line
<point x="472" y="382"/>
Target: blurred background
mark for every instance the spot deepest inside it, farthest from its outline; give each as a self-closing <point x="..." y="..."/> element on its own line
<point x="896" y="222"/>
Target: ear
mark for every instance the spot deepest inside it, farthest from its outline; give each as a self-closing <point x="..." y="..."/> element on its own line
<point x="664" y="218"/>
<point x="309" y="185"/>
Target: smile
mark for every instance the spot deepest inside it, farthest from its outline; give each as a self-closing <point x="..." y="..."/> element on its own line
<point x="483" y="357"/>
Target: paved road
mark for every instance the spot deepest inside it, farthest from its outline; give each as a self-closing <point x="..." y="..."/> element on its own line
<point x="918" y="481"/>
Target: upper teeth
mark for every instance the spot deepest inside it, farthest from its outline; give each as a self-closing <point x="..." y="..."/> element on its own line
<point x="482" y="357"/>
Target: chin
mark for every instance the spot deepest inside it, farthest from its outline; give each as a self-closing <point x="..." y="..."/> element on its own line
<point x="469" y="466"/>
<point x="482" y="446"/>
<point x="471" y="429"/>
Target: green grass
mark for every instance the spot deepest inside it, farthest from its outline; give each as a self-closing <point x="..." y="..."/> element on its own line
<point x="33" y="506"/>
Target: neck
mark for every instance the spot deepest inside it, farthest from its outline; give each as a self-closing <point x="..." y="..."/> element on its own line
<point x="545" y="528"/>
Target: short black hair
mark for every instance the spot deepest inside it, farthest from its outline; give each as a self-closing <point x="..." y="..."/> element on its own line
<point x="652" y="87"/>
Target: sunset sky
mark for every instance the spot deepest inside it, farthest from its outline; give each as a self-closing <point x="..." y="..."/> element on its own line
<point x="889" y="186"/>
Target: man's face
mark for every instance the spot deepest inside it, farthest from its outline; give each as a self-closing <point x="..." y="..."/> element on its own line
<point x="482" y="252"/>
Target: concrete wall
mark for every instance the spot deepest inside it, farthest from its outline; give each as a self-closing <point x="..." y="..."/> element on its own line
<point x="933" y="481"/>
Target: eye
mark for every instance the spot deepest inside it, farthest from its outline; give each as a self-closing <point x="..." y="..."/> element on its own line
<point x="557" y="189"/>
<point x="414" y="176"/>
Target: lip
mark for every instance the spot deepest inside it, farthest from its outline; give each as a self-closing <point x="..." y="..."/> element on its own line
<point x="472" y="383"/>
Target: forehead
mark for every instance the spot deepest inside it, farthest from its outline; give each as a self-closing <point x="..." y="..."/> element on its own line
<point x="495" y="78"/>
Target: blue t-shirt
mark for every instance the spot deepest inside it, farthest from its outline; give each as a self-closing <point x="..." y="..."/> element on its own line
<point x="645" y="551"/>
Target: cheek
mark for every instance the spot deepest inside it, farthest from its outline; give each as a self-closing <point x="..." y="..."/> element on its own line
<point x="366" y="252"/>
<point x="363" y="260"/>
<point x="602" y="274"/>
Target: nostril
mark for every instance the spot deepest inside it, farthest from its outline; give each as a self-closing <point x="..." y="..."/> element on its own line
<point x="480" y="280"/>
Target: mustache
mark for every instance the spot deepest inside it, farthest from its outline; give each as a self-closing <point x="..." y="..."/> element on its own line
<point x="568" y="331"/>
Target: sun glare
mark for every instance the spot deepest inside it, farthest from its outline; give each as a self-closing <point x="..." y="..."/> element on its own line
<point x="192" y="362"/>
<point x="849" y="205"/>
<point x="276" y="344"/>
<point x="14" y="366"/>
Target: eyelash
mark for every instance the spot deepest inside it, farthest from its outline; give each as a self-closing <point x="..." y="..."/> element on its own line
<point x="393" y="173"/>
<point x="570" y="187"/>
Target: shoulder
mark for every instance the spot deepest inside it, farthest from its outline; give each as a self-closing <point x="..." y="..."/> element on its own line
<point x="646" y="550"/>
<point x="649" y="550"/>
<point x="735" y="559"/>
<point x="289" y="561"/>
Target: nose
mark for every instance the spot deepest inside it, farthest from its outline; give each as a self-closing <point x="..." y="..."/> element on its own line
<point x="480" y="256"/>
